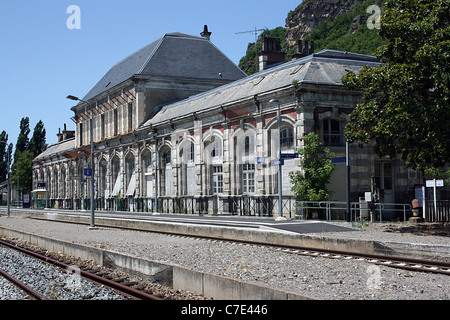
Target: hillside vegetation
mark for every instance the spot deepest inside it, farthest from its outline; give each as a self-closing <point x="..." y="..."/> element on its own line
<point x="347" y="31"/>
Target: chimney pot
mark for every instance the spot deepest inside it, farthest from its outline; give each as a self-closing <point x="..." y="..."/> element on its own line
<point x="206" y="34"/>
<point x="271" y="53"/>
<point x="304" y="48"/>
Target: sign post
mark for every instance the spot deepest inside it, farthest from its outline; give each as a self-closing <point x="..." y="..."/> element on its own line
<point x="433" y="184"/>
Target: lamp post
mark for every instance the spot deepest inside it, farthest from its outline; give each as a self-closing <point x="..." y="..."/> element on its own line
<point x="154" y="135"/>
<point x="92" y="156"/>
<point x="347" y="180"/>
<point x="280" y="189"/>
<point x="8" y="210"/>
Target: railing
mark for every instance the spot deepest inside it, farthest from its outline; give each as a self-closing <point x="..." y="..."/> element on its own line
<point x="336" y="210"/>
<point x="262" y="206"/>
<point x="442" y="212"/>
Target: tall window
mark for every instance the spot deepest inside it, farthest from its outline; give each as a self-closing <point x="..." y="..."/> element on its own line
<point x="167" y="157"/>
<point x="130" y="117"/>
<point x="216" y="150"/>
<point x="287" y="138"/>
<point x="248" y="178"/>
<point x="332" y="132"/>
<point x="115" y="123"/>
<point x="191" y="152"/>
<point x="247" y="146"/>
<point x="102" y="127"/>
<point x="217" y="179"/>
<point x="81" y="133"/>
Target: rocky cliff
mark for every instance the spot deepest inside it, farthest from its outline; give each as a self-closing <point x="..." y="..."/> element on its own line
<point x="330" y="24"/>
<point x="311" y="14"/>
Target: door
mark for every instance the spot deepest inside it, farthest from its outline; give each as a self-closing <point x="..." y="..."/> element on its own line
<point x="384" y="181"/>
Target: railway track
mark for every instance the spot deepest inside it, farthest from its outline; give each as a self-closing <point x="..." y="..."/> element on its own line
<point x="120" y="288"/>
<point x="27" y="290"/>
<point x="410" y="264"/>
<point x="394" y="262"/>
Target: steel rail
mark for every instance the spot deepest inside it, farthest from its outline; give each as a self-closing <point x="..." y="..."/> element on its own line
<point x="123" y="289"/>
<point x="27" y="289"/>
<point x="394" y="262"/>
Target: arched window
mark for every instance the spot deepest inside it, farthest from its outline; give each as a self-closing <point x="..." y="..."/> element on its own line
<point x="244" y="153"/>
<point x="130" y="175"/>
<point x="147" y="174"/>
<point x="55" y="184"/>
<point x="213" y="157"/>
<point x="63" y="182"/>
<point x="102" y="178"/>
<point x="165" y="174"/>
<point x="187" y="181"/>
<point x="115" y="175"/>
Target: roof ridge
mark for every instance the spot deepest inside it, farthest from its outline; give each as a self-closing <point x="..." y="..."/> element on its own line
<point x="160" y="40"/>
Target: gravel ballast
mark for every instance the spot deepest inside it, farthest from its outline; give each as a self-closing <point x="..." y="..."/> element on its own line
<point x="50" y="281"/>
<point x="319" y="278"/>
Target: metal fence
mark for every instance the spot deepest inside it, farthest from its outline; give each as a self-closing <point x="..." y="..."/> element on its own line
<point x="359" y="211"/>
<point x="261" y="206"/>
<point x="439" y="214"/>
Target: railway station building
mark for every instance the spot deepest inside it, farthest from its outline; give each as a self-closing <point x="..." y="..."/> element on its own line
<point x="180" y="123"/>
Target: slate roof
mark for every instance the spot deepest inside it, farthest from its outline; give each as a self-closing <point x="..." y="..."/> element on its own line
<point x="174" y="55"/>
<point x="59" y="148"/>
<point x="326" y="67"/>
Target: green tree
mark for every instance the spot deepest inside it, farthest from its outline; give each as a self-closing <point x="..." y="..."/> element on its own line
<point x="22" y="139"/>
<point x="38" y="141"/>
<point x="5" y="155"/>
<point x="21" y="171"/>
<point x="310" y="184"/>
<point x="405" y="107"/>
<point x="22" y="168"/>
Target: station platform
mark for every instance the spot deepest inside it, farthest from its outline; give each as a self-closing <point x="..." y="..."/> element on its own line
<point x="313" y="234"/>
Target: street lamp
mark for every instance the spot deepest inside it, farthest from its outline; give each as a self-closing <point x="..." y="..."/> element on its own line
<point x="280" y="192"/>
<point x="70" y="97"/>
<point x="153" y="134"/>
<point x="8" y="210"/>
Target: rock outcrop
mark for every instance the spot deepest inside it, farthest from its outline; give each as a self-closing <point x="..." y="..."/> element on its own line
<point x="311" y="14"/>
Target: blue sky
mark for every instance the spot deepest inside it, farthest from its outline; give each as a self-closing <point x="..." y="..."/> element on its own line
<point x="42" y="60"/>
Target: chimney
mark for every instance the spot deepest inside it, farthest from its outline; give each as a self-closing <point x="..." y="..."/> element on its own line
<point x="271" y="53"/>
<point x="66" y="134"/>
<point x="206" y="34"/>
<point x="304" y="48"/>
<point x="59" y="135"/>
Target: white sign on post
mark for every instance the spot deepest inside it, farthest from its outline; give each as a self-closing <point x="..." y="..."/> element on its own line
<point x="433" y="184"/>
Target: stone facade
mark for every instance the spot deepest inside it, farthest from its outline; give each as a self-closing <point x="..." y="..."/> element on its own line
<point x="200" y="145"/>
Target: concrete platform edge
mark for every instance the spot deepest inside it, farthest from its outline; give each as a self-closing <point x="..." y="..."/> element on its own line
<point x="209" y="285"/>
<point x="407" y="250"/>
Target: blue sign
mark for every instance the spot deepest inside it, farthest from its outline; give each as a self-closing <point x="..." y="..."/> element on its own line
<point x="88" y="172"/>
<point x="259" y="160"/>
<point x="277" y="162"/>
<point x="289" y="155"/>
<point x="338" y="160"/>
